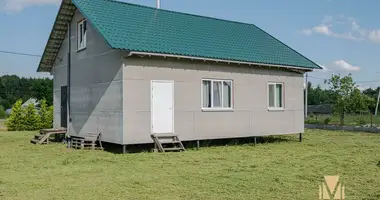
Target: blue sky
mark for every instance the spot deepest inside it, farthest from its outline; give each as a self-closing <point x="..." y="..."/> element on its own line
<point x="341" y="35"/>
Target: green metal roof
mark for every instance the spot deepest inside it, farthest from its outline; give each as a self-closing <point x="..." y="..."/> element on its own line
<point x="139" y="28"/>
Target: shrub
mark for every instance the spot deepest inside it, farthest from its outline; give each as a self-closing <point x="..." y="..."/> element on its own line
<point x="3" y="114"/>
<point x="32" y="118"/>
<point x="313" y="122"/>
<point x="46" y="114"/>
<point x="327" y="121"/>
<point x="16" y="120"/>
<point x="28" y="119"/>
<point x="361" y="121"/>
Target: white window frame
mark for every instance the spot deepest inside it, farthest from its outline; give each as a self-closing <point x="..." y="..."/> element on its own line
<point x="275" y="96"/>
<point x="81" y="45"/>
<point x="212" y="96"/>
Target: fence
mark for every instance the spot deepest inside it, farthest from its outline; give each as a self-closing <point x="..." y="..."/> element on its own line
<point x="366" y="119"/>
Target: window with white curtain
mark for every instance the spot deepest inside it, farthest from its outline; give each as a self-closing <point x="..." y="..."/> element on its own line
<point x="81" y="34"/>
<point x="275" y="96"/>
<point x="216" y="94"/>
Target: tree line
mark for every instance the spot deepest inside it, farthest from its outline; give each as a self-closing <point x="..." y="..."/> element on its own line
<point x="13" y="88"/>
<point x="344" y="96"/>
<point x="319" y="96"/>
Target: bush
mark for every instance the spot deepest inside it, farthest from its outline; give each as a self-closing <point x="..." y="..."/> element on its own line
<point x="312" y="122"/>
<point x="327" y="121"/>
<point x="32" y="118"/>
<point x="3" y="114"/>
<point x="16" y="120"/>
<point x="361" y="121"/>
<point x="28" y="119"/>
<point x="46" y="114"/>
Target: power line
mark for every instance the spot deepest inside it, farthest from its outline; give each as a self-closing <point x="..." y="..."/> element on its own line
<point x="318" y="78"/>
<point x="20" y="54"/>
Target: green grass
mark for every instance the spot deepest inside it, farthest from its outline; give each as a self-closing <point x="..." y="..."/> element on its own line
<point x="280" y="170"/>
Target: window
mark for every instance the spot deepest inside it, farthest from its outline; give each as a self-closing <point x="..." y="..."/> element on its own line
<point x="217" y="94"/>
<point x="81" y="34"/>
<point x="275" y="96"/>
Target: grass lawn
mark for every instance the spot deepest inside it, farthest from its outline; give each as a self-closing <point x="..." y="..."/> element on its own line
<point x="280" y="170"/>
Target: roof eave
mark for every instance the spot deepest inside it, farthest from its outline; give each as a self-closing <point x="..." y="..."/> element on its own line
<point x="130" y="53"/>
<point x="57" y="36"/>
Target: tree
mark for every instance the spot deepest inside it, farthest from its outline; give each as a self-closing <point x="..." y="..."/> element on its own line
<point x="317" y="95"/>
<point x="360" y="102"/>
<point x="46" y="114"/>
<point x="32" y="118"/>
<point x="15" y="121"/>
<point x="13" y="88"/>
<point x="3" y="114"/>
<point x="346" y="97"/>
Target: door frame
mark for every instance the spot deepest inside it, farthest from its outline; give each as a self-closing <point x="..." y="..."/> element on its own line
<point x="64" y="107"/>
<point x="151" y="102"/>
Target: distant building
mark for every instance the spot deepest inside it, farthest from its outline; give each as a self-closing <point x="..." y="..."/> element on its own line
<point x="33" y="101"/>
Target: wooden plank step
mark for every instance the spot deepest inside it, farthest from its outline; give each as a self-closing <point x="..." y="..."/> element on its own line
<point x="164" y="135"/>
<point x="38" y="137"/>
<point x="174" y="149"/>
<point x="60" y="130"/>
<point x="36" y="142"/>
<point x="170" y="142"/>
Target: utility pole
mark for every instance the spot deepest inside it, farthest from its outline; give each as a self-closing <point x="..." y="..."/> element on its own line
<point x="306" y="90"/>
<point x="377" y="103"/>
<point x="158" y="4"/>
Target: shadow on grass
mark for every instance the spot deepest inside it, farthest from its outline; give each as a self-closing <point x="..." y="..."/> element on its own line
<point x="116" y="148"/>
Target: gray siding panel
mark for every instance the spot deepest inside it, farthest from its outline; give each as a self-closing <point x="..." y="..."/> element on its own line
<point x="96" y="86"/>
<point x="250" y="116"/>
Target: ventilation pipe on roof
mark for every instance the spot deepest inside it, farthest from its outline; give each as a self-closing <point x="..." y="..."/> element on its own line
<point x="158" y="4"/>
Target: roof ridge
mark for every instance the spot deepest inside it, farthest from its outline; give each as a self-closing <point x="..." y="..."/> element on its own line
<point x="178" y="12"/>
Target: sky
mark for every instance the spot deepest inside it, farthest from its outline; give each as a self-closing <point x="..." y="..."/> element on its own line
<point x="343" y="36"/>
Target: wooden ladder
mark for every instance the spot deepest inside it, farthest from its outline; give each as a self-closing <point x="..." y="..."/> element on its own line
<point x="165" y="142"/>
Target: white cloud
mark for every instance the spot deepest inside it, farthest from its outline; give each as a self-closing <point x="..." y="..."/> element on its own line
<point x="347" y="36"/>
<point x="18" y="5"/>
<point x="307" y="32"/>
<point x="356" y="27"/>
<point x="344" y="66"/>
<point x="326" y="30"/>
<point x="322" y="29"/>
<point x="375" y="36"/>
<point x="353" y="30"/>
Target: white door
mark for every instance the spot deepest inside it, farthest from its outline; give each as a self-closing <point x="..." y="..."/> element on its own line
<point x="162" y="106"/>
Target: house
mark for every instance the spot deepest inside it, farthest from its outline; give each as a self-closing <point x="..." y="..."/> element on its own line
<point x="136" y="70"/>
<point x="33" y="101"/>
